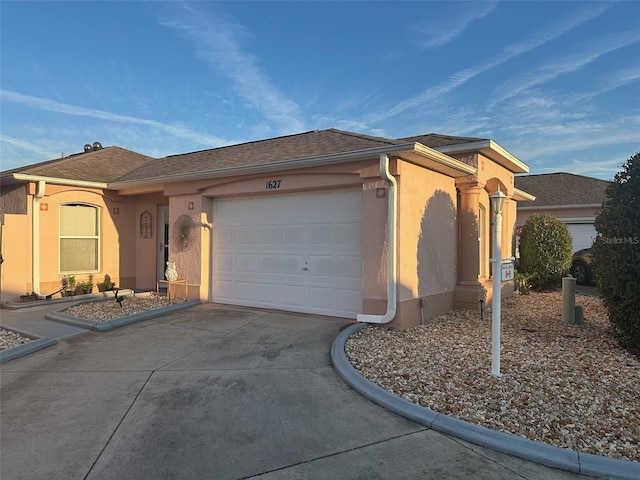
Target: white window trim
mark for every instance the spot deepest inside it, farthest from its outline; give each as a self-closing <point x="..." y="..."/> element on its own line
<point x="97" y="237"/>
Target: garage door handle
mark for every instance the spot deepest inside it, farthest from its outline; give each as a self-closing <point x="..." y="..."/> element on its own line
<point x="305" y="268"/>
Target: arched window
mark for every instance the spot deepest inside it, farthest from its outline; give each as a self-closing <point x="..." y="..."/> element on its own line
<point x="79" y="238"/>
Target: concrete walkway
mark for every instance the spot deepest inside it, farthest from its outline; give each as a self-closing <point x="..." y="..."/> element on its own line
<point x="216" y="392"/>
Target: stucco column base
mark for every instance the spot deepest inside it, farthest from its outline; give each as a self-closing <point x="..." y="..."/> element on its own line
<point x="507" y="289"/>
<point x="467" y="297"/>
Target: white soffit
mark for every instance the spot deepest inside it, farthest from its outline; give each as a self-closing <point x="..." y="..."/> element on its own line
<point x="492" y="150"/>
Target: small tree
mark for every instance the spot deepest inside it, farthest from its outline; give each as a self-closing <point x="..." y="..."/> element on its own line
<point x="616" y="252"/>
<point x="545" y="251"/>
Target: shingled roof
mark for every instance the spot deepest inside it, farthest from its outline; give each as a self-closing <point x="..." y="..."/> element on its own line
<point x="435" y="140"/>
<point x="559" y="189"/>
<point x="261" y="152"/>
<point x="99" y="166"/>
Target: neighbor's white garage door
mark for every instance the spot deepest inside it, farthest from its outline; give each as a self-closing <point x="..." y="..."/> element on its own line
<point x="298" y="252"/>
<point x="582" y="235"/>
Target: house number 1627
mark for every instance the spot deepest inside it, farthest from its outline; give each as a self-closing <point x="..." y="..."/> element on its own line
<point x="272" y="184"/>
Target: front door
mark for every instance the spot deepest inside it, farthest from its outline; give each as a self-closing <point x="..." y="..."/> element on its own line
<point x="163" y="239"/>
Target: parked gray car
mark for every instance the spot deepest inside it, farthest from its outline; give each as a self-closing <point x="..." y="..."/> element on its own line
<point x="582" y="266"/>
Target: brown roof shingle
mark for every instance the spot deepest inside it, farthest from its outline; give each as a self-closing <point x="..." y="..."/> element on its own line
<point x="261" y="152"/>
<point x="556" y="189"/>
<point x="101" y="166"/>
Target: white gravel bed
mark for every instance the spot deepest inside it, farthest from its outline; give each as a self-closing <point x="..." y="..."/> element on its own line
<point x="104" y="310"/>
<point x="568" y="386"/>
<point x="9" y="339"/>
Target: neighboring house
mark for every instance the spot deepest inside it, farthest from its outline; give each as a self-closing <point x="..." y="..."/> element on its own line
<point x="575" y="200"/>
<point x="299" y="223"/>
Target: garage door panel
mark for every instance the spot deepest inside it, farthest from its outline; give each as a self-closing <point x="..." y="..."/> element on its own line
<point x="347" y="300"/>
<point x="322" y="265"/>
<point x="246" y="263"/>
<point x="223" y="289"/>
<point x="349" y="267"/>
<point x="293" y="235"/>
<point x="293" y="295"/>
<point x="245" y="291"/>
<point x="298" y="252"/>
<point x="245" y="234"/>
<point x="322" y="298"/>
<point x="269" y="235"/>
<point x="582" y="235"/>
<point x="268" y="294"/>
<point x="223" y="262"/>
<point x="269" y="205"/>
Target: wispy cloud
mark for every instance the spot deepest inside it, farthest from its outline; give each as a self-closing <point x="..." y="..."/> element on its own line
<point x="439" y="31"/>
<point x="25" y="145"/>
<point x="460" y="78"/>
<point x="217" y="42"/>
<point x="567" y="64"/>
<point x="74" y="110"/>
<point x="618" y="79"/>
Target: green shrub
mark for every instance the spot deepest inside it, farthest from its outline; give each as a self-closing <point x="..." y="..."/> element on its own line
<point x="545" y="251"/>
<point x="616" y="252"/>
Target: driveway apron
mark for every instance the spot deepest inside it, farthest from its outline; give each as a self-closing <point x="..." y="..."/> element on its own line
<point x="216" y="392"/>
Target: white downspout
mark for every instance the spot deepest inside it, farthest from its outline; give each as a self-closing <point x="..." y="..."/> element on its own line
<point x="392" y="251"/>
<point x="35" y="236"/>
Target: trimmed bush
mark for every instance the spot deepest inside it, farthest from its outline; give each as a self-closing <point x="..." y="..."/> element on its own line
<point x="616" y="252"/>
<point x="545" y="251"/>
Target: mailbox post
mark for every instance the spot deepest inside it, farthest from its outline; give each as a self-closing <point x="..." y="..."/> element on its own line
<point x="497" y="201"/>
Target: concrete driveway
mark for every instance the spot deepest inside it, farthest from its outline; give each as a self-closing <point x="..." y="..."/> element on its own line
<point x="216" y="392"/>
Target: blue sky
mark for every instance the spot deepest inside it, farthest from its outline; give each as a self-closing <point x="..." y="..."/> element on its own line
<point x="555" y="83"/>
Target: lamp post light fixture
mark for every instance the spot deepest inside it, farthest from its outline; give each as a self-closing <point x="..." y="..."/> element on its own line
<point x="497" y="202"/>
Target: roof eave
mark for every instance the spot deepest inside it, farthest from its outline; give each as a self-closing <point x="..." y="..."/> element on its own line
<point x="561" y="207"/>
<point x="492" y="150"/>
<point x="413" y="152"/>
<point x="522" y="196"/>
<point x="22" y="177"/>
<point x="438" y="161"/>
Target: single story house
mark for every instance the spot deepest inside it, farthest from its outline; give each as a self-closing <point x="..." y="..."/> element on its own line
<point x="326" y="222"/>
<point x="573" y="199"/>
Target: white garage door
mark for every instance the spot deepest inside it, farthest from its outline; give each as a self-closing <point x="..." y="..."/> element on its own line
<point x="582" y="235"/>
<point x="299" y="252"/>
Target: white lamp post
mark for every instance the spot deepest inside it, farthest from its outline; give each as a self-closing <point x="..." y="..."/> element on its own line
<point x="497" y="201"/>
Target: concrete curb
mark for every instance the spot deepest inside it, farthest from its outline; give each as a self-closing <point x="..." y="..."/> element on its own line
<point x="57" y="316"/>
<point x="38" y="343"/>
<point x="555" y="457"/>
<point x="88" y="297"/>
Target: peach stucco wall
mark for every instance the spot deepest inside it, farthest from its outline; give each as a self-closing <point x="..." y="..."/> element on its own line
<point x="146" y="249"/>
<point x="475" y="229"/>
<point x="15" y="270"/>
<point x="117" y="247"/>
<point x="427" y="244"/>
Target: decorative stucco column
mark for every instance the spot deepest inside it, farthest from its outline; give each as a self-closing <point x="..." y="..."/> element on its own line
<point x="469" y="289"/>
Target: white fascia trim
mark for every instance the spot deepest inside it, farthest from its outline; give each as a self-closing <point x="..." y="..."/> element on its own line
<point x="489" y="148"/>
<point x="452" y="166"/>
<point x="410" y="150"/>
<point x="59" y="181"/>
<point x="522" y="196"/>
<point x="561" y="207"/>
